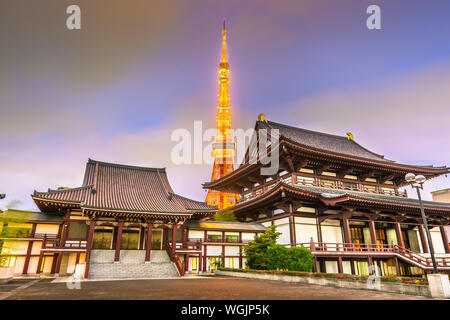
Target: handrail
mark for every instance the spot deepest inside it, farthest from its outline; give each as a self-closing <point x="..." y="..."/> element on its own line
<point x="420" y="259"/>
<point x="175" y="258"/>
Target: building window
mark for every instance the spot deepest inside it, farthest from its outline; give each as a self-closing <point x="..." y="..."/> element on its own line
<point x="357" y="236"/>
<point x="305" y="180"/>
<point x="214" y="237"/>
<point x="327" y="183"/>
<point x="350" y="186"/>
<point x="231" y="238"/>
<point x="369" y="188"/>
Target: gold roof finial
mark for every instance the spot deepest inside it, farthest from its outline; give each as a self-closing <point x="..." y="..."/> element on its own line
<point x="350" y="136"/>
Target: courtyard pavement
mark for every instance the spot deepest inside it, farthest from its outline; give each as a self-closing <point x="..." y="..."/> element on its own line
<point x="195" y="288"/>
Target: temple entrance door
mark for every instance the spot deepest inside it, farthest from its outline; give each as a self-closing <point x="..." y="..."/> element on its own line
<point x="357" y="237"/>
<point x="156" y="239"/>
<point x="405" y="237"/>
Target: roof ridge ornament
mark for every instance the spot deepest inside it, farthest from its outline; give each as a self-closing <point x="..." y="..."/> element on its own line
<point x="261" y="117"/>
<point x="350" y="136"/>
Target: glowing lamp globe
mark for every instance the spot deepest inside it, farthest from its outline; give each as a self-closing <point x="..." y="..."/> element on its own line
<point x="410" y="178"/>
<point x="420" y="179"/>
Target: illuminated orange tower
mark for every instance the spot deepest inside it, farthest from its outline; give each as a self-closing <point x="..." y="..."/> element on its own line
<point x="223" y="146"/>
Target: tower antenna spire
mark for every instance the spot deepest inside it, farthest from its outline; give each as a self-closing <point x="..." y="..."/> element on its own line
<point x="224" y="42"/>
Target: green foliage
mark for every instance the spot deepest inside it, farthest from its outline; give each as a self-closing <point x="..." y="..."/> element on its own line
<point x="225" y="215"/>
<point x="216" y="263"/>
<point x="292" y="259"/>
<point x="256" y="250"/>
<point x="277" y="257"/>
<point x="299" y="259"/>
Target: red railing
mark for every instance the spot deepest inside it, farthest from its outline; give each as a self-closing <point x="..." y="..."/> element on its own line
<point x="221" y="240"/>
<point x="54" y="242"/>
<point x="365" y="248"/>
<point x="175" y="258"/>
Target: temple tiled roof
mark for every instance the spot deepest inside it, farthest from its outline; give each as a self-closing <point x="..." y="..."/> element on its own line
<point x="123" y="188"/>
<point x="320" y="140"/>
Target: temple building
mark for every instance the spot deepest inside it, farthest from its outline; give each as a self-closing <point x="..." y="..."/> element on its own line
<point x="123" y="221"/>
<point x="223" y="146"/>
<point x="342" y="201"/>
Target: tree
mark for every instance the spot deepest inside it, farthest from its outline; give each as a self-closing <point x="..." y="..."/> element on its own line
<point x="225" y="215"/>
<point x="256" y="250"/>
<point x="277" y="257"/>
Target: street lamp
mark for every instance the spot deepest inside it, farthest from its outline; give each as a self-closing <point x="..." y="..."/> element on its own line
<point x="417" y="183"/>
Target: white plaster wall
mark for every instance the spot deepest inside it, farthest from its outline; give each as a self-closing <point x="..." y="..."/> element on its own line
<point x="331" y="231"/>
<point x="331" y="266"/>
<point x="197" y="234"/>
<point x="436" y="239"/>
<point x="36" y="249"/>
<point x="71" y="263"/>
<point x="281" y="221"/>
<point x="231" y="250"/>
<point x="285" y="237"/>
<point x="267" y="224"/>
<point x="47" y="228"/>
<point x="213" y="232"/>
<point x="248" y="236"/>
<point x="346" y="266"/>
<point x="18" y="267"/>
<point x="213" y="250"/>
<point x="32" y="266"/>
<point x="305" y="231"/>
<point x="47" y="265"/>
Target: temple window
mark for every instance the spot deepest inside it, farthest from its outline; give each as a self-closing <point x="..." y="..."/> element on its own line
<point x="351" y="177"/>
<point x="369" y="188"/>
<point x="388" y="182"/>
<point x="305" y="180"/>
<point x="258" y="191"/>
<point x="350" y="186"/>
<point x="214" y="237"/>
<point x="270" y="186"/>
<point x="371" y="180"/>
<point x="390" y="191"/>
<point x="287" y="180"/>
<point x="327" y="173"/>
<point x="306" y="170"/>
<point x="327" y="183"/>
<point x="283" y="172"/>
<point x="278" y="211"/>
<point x="231" y="238"/>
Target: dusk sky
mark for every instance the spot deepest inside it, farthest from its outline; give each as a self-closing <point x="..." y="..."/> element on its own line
<point x="137" y="70"/>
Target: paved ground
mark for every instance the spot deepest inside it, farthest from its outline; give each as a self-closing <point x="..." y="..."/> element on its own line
<point x="200" y="288"/>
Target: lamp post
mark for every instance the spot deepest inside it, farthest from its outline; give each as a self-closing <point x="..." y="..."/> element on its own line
<point x="417" y="183"/>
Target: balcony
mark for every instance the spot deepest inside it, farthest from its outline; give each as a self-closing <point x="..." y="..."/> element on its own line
<point x="218" y="240"/>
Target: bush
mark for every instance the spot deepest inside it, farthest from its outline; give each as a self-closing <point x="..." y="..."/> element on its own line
<point x="226" y="215"/>
<point x="299" y="259"/>
<point x="277" y="256"/>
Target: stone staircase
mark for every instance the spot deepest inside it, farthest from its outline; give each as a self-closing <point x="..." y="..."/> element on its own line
<point x="132" y="265"/>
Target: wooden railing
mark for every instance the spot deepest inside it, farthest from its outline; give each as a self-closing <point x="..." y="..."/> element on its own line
<point x="221" y="240"/>
<point x="365" y="248"/>
<point x="51" y="241"/>
<point x="338" y="186"/>
<point x="175" y="258"/>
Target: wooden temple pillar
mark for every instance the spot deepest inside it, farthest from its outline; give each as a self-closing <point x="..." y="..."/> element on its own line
<point x="373" y="233"/>
<point x="118" y="242"/>
<point x="444" y="239"/>
<point x="340" y="267"/>
<point x="292" y="226"/>
<point x="29" y="249"/>
<point x="149" y="242"/>
<point x="141" y="237"/>
<point x="89" y="248"/>
<point x="399" y="235"/>
<point x="423" y="239"/>
<point x="174" y="237"/>
<point x="58" y="263"/>
<point x="346" y="229"/>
